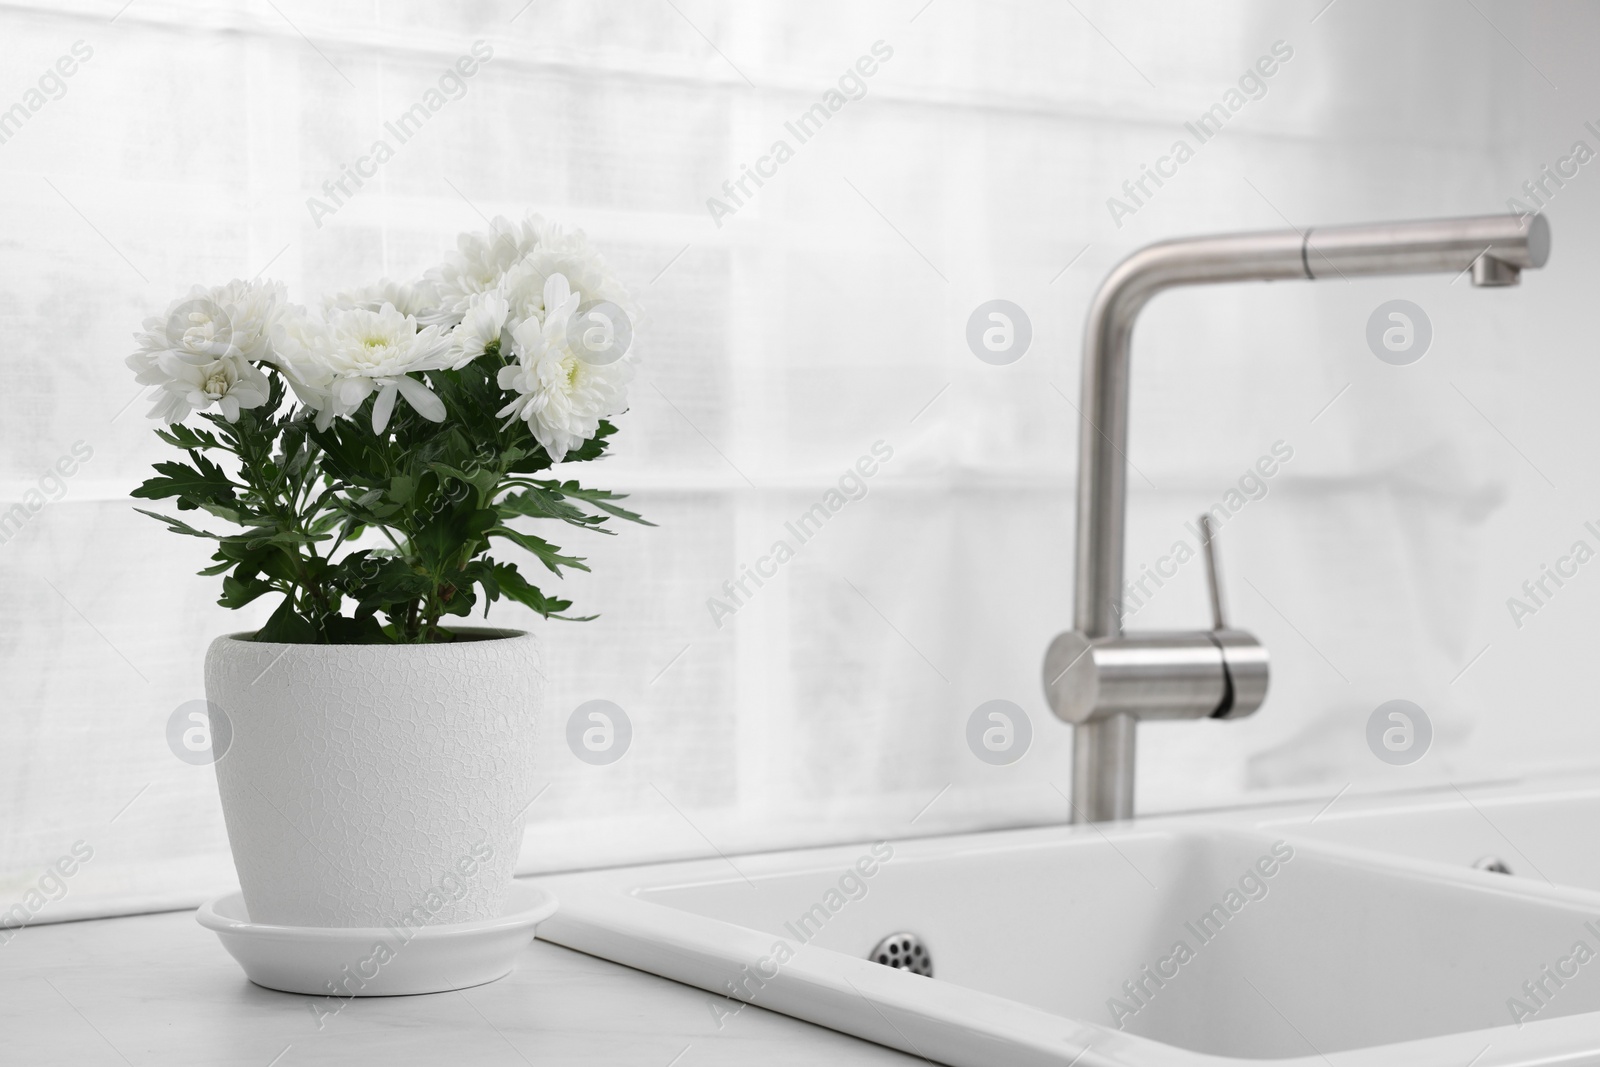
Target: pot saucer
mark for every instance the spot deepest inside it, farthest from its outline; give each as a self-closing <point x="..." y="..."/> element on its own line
<point x="378" y="961"/>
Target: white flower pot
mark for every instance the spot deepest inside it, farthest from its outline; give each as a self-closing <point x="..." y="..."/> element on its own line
<point x="374" y="785"/>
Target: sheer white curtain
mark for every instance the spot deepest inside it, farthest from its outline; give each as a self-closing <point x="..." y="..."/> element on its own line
<point x="802" y="326"/>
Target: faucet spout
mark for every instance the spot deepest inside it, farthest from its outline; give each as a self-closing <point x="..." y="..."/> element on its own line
<point x="1495" y="248"/>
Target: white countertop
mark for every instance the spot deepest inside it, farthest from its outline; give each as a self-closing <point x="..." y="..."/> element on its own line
<point x="158" y="989"/>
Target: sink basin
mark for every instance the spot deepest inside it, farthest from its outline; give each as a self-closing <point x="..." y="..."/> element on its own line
<point x="1547" y="836"/>
<point x="1138" y="945"/>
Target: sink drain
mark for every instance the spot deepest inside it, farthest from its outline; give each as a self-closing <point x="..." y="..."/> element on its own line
<point x="1494" y="864"/>
<point x="903" y="952"/>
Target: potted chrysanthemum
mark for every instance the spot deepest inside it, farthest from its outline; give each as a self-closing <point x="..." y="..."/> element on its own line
<point x="362" y="461"/>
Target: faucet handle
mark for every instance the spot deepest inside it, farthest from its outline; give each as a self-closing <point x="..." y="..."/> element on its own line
<point x="1244" y="660"/>
<point x="1219" y="619"/>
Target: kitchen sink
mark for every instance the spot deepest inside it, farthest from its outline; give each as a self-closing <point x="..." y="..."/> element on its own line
<point x="1171" y="941"/>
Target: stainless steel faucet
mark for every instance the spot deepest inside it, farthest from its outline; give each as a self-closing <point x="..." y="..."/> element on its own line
<point x="1104" y="681"/>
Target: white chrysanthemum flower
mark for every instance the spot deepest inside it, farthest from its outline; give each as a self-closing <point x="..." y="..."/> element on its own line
<point x="559" y="395"/>
<point x="253" y="309"/>
<point x="337" y="362"/>
<point x="377" y="351"/>
<point x="478" y="329"/>
<point x="419" y="299"/>
<point x="481" y="261"/>
<point x="230" y="383"/>
<point x="207" y="324"/>
<point x="298" y="341"/>
<point x="572" y="256"/>
<point x="200" y="352"/>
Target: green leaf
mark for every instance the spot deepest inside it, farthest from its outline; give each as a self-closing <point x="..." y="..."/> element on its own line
<point x="287" y="627"/>
<point x="263" y="538"/>
<point x="482" y="478"/>
<point x="505" y="580"/>
<point x="204" y="481"/>
<point x="236" y="593"/>
<point x="548" y="554"/>
<point x="458" y="600"/>
<point x="361" y="630"/>
<point x="402" y="487"/>
<point x="379" y="582"/>
<point x="187" y="437"/>
<point x="177" y="526"/>
<point x="221" y="511"/>
<point x="447" y="534"/>
<point x="539" y="503"/>
<point x="600" y="498"/>
<point x="294" y="456"/>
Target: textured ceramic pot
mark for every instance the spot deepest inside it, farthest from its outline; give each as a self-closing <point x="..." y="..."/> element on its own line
<point x="376" y="785"/>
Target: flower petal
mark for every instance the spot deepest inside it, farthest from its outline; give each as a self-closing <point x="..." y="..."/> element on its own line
<point x="383" y="407"/>
<point x="422" y="398"/>
<point x="352" y="391"/>
<point x="556" y="291"/>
